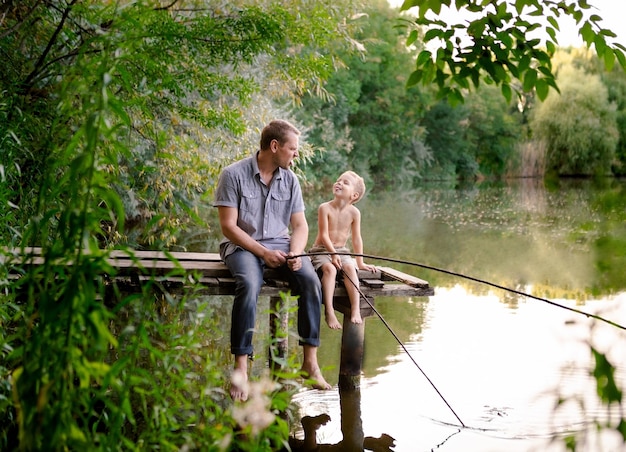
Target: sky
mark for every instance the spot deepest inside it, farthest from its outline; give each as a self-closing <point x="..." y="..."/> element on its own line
<point x="612" y="12"/>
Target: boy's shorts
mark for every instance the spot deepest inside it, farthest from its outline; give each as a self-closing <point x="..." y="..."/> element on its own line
<point x="320" y="259"/>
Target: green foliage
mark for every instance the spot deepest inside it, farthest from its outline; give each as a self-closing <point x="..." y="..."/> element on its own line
<point x="578" y="125"/>
<point x="493" y="44"/>
<point x="446" y="136"/>
<point x="184" y="76"/>
<point x="494" y="128"/>
<point x="615" y="82"/>
<point x="371" y="124"/>
<point x="604" y="374"/>
<point x="106" y="106"/>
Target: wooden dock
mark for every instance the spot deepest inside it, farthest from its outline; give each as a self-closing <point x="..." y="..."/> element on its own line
<point x="175" y="270"/>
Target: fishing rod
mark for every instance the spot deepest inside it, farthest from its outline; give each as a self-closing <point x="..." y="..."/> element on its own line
<point x="401" y="344"/>
<point x="471" y="278"/>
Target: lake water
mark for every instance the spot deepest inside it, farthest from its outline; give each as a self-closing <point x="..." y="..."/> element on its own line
<point x="499" y="362"/>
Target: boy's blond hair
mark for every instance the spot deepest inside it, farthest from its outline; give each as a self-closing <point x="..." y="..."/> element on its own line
<point x="359" y="184"/>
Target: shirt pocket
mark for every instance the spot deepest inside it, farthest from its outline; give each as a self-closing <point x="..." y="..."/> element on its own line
<point x="280" y="204"/>
<point x="249" y="200"/>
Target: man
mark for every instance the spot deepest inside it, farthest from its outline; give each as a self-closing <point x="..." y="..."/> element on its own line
<point x="258" y="199"/>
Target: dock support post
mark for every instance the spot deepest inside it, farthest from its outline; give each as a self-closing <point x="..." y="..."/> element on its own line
<point x="352" y="341"/>
<point x="352" y="344"/>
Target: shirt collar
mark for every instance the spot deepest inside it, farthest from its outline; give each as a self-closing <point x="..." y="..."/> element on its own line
<point x="255" y="166"/>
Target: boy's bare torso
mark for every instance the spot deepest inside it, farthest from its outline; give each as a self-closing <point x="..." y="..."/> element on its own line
<point x="340" y="218"/>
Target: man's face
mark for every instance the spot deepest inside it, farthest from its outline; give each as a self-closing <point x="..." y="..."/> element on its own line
<point x="284" y="155"/>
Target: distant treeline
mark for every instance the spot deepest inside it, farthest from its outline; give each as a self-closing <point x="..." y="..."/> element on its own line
<point x="395" y="136"/>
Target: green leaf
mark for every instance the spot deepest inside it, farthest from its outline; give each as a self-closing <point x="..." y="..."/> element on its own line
<point x="530" y="78"/>
<point x="507" y="92"/>
<point x="604" y="373"/>
<point x="414" y="78"/>
<point x="476" y="78"/>
<point x="455" y="97"/>
<point x="431" y="34"/>
<point x="620" y="57"/>
<point x="609" y="33"/>
<point x="435" y="6"/>
<point x="587" y="33"/>
<point x="609" y="60"/>
<point x="423" y="58"/>
<point x="412" y="37"/>
<point x="622" y="429"/>
<point x="542" y="88"/>
<point x="524" y="64"/>
<point x="553" y="22"/>
<point x="600" y="44"/>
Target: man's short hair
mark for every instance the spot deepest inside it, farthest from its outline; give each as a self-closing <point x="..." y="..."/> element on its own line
<point x="278" y="130"/>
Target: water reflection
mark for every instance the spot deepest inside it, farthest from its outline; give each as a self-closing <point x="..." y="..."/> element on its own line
<point x="502" y="370"/>
<point x="353" y="438"/>
<point x="503" y="361"/>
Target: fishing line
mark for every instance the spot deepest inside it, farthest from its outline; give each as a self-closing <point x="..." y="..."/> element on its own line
<point x="345" y="275"/>
<point x="471" y="278"/>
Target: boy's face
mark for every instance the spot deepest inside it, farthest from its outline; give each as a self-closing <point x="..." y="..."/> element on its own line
<point x="345" y="187"/>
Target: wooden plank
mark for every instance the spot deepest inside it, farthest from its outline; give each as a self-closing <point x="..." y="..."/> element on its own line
<point x="162" y="267"/>
<point x="364" y="274"/>
<point x="403" y="277"/>
<point x="165" y="255"/>
<point x="130" y="254"/>
<point x="373" y="283"/>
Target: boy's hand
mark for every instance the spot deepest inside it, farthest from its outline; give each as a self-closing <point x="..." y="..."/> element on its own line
<point x="336" y="261"/>
<point x="369" y="268"/>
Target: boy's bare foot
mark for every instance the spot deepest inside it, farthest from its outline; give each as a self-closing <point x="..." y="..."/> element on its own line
<point x="331" y="320"/>
<point x="239" y="385"/>
<point x="356" y="318"/>
<point x="318" y="379"/>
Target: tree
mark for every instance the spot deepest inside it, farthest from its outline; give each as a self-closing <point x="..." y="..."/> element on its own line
<point x="578" y="125"/>
<point x="493" y="129"/>
<point x="371" y="122"/>
<point x="183" y="74"/>
<point x="445" y="126"/>
<point x="496" y="45"/>
<point x="615" y="81"/>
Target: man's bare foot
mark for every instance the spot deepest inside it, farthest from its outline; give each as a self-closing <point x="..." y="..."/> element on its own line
<point x="356" y="317"/>
<point x="239" y="385"/>
<point x="318" y="381"/>
<point x="331" y="320"/>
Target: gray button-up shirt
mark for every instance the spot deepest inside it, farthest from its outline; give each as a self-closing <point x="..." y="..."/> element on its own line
<point x="263" y="212"/>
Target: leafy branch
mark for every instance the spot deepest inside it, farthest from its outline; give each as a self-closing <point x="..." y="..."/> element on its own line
<point x="495" y="44"/>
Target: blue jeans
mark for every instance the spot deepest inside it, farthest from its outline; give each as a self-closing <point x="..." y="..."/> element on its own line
<point x="247" y="269"/>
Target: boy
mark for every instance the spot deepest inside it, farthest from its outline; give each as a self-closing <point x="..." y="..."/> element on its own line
<point x="337" y="220"/>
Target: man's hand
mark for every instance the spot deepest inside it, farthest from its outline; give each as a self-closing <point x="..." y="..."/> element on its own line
<point x="294" y="263"/>
<point x="274" y="258"/>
